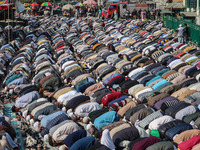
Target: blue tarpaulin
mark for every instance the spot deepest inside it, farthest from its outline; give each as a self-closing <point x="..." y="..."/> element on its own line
<point x="19" y="7"/>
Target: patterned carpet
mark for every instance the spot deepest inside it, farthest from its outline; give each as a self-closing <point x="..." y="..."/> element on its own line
<point x="17" y="124"/>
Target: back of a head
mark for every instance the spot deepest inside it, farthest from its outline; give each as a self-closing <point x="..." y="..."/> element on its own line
<point x="13" y="109"/>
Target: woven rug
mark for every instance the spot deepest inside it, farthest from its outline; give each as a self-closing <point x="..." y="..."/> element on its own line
<point x="15" y="123"/>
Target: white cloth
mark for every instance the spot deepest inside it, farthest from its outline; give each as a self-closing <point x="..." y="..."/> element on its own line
<point x="64" y="96"/>
<point x="46" y="138"/>
<point x="180" y="31"/>
<point x="63" y="131"/>
<point x="36" y="126"/>
<point x="28" y="118"/>
<point x="25" y="113"/>
<point x="106" y="140"/>
<point x="143" y="91"/>
<point x="66" y="100"/>
<point x="173" y="63"/>
<point x="142" y="132"/>
<point x="133" y="72"/>
<point x="66" y="63"/>
<point x="72" y="116"/>
<point x="31" y="122"/>
<point x="84" y="109"/>
<point x="40" y="117"/>
<point x="133" y="88"/>
<point x="185" y="111"/>
<point x="159" y="121"/>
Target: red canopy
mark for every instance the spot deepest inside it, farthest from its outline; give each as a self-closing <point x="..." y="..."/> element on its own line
<point x="56" y="7"/>
<point x="34" y="4"/>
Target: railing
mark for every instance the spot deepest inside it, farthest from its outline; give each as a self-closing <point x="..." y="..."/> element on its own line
<point x="194" y="30"/>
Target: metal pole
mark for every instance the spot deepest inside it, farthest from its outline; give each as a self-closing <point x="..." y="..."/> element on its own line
<point x="4" y="15"/>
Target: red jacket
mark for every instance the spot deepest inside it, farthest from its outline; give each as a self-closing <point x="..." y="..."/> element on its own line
<point x="187" y="145"/>
<point x="110" y="97"/>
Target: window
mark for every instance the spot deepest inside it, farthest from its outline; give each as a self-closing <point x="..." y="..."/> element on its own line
<point x="187" y="3"/>
<point x="193" y="4"/>
<point x="113" y="6"/>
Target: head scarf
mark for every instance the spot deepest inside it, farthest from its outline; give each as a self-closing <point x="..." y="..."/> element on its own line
<point x="106" y="140"/>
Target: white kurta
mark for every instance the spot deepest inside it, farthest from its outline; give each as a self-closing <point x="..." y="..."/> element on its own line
<point x="63" y="131"/>
<point x="84" y="109"/>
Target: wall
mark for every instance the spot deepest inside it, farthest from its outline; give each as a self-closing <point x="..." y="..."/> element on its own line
<point x="160" y="4"/>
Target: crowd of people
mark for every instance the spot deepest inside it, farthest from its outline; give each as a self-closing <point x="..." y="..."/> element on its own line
<point x="143" y="14"/>
<point x="87" y="84"/>
<point x="82" y="11"/>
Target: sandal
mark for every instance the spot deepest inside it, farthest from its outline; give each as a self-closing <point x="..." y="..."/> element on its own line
<point x="39" y="147"/>
<point x="45" y="147"/>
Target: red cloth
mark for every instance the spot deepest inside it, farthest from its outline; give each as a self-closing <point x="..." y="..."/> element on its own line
<point x="187" y="145"/>
<point x="166" y="47"/>
<point x="179" y="46"/>
<point x="179" y="55"/>
<point x="142" y="145"/>
<point x="198" y="66"/>
<point x="60" y="46"/>
<point x="110" y="97"/>
<point x="103" y="24"/>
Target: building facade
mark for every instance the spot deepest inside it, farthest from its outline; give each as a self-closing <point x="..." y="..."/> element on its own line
<point x="161" y="4"/>
<point x="192" y="10"/>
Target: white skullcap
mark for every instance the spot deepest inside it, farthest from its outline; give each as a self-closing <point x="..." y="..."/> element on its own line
<point x="3" y="137"/>
<point x="72" y="116"/>
<point x="40" y="117"/>
<point x="89" y="126"/>
<point x="11" y="91"/>
<point x="199" y="106"/>
<point x="31" y="122"/>
<point x="64" y="109"/>
<point x="85" y="120"/>
<point x="46" y="138"/>
<point x="101" y="105"/>
<point x="25" y="113"/>
<point x="36" y="124"/>
<point x="69" y="111"/>
<point x="62" y="147"/>
<point x="124" y="143"/>
<point x="180" y="25"/>
<point x="28" y="118"/>
<point x="6" y="88"/>
<point x="92" y="99"/>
